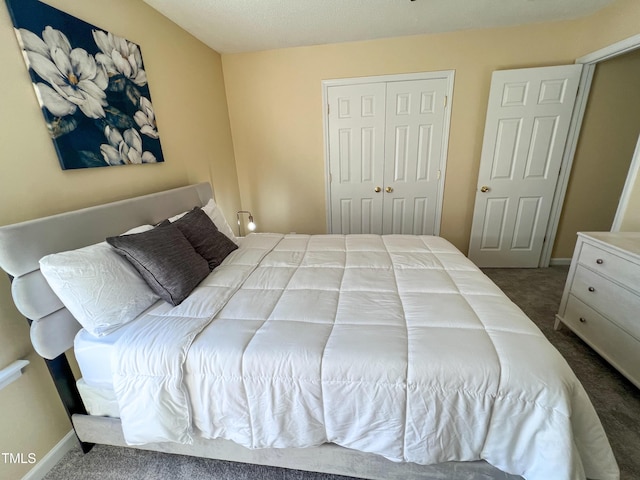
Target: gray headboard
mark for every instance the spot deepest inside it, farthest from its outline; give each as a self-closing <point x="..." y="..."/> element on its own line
<point x="22" y="245"/>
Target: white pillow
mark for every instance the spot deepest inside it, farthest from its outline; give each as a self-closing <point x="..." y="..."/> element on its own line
<point x="101" y="289"/>
<point x="217" y="217"/>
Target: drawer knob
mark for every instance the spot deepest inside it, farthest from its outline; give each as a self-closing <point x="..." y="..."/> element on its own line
<point x="591" y="289"/>
<point x="583" y="320"/>
<point x="599" y="261"/>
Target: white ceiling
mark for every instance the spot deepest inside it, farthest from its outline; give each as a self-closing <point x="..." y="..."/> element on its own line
<point x="233" y="26"/>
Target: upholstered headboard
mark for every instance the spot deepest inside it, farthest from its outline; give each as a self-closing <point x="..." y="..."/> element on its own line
<point x="53" y="328"/>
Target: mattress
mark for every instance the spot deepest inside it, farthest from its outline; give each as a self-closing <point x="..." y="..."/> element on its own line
<point x="93" y="355"/>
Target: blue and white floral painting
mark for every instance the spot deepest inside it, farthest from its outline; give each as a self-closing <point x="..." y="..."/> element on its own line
<point x="91" y="85"/>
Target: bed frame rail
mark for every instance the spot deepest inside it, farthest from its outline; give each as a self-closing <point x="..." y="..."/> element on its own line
<point x="327" y="458"/>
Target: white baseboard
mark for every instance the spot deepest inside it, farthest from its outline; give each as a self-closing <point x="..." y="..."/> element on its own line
<point x="46" y="463"/>
<point x="559" y="262"/>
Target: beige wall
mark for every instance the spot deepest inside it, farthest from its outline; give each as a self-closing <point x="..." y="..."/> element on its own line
<point x="275" y="105"/>
<point x="603" y="155"/>
<point x="187" y="89"/>
<point x="612" y="24"/>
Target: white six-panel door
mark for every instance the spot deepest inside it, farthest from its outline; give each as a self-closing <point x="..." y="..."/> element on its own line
<point x="386" y="144"/>
<point x="528" y="118"/>
<point x="356" y="155"/>
<point x="413" y="149"/>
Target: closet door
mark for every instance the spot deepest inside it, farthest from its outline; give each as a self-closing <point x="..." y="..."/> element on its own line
<point x="356" y="156"/>
<point x="386" y="147"/>
<point x="415" y="117"/>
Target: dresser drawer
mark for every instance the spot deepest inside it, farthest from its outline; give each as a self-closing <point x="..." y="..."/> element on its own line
<point x="614" y="302"/>
<point x="613" y="266"/>
<point x="615" y="345"/>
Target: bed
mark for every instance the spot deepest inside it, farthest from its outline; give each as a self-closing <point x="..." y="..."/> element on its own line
<point x="370" y="356"/>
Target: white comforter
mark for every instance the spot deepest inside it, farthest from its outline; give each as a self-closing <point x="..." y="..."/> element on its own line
<point x="396" y="345"/>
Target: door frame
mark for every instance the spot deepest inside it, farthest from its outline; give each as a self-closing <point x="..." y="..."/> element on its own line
<point x="449" y="75"/>
<point x="632" y="175"/>
<point x="589" y="61"/>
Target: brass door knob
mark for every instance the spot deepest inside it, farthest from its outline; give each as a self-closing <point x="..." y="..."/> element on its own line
<point x="388" y="189"/>
<point x="377" y="189"/>
<point x="484" y="189"/>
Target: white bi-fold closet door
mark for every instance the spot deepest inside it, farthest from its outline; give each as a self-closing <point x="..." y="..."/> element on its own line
<point x="386" y="144"/>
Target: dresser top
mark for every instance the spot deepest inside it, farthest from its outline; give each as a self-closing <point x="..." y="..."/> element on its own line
<point x="627" y="241"/>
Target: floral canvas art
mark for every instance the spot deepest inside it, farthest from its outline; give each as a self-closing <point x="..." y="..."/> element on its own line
<point x="92" y="88"/>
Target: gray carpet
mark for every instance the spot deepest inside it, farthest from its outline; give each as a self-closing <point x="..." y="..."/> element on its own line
<point x="536" y="291"/>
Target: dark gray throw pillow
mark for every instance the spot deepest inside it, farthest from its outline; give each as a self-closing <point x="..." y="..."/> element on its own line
<point x="204" y="236"/>
<point x="165" y="259"/>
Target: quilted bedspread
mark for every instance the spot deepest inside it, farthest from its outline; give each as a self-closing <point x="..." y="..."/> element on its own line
<point x="395" y="345"/>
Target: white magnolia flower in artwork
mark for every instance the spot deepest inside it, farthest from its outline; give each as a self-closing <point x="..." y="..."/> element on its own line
<point x="124" y="149"/>
<point x="146" y="118"/>
<point x="74" y="78"/>
<point x="53" y="101"/>
<point x="120" y="56"/>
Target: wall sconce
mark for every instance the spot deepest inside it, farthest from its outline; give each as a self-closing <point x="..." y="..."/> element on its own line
<point x="251" y="226"/>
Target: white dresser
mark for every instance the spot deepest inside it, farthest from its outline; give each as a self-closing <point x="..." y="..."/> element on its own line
<point x="601" y="299"/>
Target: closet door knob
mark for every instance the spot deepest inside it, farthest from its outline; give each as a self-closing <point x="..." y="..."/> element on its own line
<point x="599" y="261"/>
<point x="388" y="189"/>
<point x="583" y="320"/>
<point x="591" y="289"/>
<point x="377" y="189"/>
